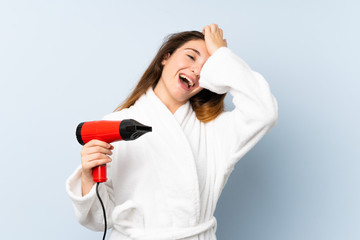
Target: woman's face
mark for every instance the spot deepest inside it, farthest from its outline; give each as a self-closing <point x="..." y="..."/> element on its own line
<point x="179" y="80"/>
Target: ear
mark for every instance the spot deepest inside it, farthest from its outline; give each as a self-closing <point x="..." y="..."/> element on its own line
<point x="165" y="58"/>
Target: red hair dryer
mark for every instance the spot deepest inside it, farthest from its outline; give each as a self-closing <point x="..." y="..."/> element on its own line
<point x="109" y="131"/>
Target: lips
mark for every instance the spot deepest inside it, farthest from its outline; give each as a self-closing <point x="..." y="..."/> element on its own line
<point x="187" y="82"/>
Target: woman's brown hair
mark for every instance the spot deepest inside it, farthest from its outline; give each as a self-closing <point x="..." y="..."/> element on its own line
<point x="206" y="104"/>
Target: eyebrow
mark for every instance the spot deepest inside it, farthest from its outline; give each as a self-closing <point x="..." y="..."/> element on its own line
<point x="193" y="50"/>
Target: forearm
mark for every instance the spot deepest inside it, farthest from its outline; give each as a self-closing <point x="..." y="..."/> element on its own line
<point x="86" y="184"/>
<point x="255" y="110"/>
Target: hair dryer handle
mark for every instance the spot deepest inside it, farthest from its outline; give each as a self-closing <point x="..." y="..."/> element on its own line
<point x="99" y="173"/>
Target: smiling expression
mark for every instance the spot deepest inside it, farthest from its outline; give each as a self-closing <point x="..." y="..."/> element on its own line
<point x="179" y="80"/>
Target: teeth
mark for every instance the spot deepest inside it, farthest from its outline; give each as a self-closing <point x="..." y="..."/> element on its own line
<point x="189" y="80"/>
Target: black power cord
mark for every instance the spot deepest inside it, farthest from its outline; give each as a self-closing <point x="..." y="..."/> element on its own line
<point x="103" y="208"/>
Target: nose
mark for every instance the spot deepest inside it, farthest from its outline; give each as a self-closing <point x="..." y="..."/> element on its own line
<point x="196" y="69"/>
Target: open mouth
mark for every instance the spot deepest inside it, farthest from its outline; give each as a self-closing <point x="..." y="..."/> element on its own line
<point x="187" y="81"/>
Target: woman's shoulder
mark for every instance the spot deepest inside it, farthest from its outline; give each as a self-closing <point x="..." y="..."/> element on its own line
<point x="131" y="112"/>
<point x="118" y="115"/>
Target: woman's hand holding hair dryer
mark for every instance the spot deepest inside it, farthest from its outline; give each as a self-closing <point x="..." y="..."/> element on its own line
<point x="93" y="154"/>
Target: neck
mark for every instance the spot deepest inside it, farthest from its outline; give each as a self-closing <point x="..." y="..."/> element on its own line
<point x="166" y="99"/>
<point x="172" y="106"/>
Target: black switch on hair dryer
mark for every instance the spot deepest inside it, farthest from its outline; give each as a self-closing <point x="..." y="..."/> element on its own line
<point x="109" y="131"/>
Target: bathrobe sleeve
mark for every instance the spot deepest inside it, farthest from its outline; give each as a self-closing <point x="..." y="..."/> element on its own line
<point x="87" y="208"/>
<point x="255" y="112"/>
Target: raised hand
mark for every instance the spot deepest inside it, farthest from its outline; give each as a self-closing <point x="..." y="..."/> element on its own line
<point x="213" y="38"/>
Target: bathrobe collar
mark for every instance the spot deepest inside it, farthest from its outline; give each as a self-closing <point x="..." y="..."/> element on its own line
<point x="173" y="158"/>
<point x="182" y="112"/>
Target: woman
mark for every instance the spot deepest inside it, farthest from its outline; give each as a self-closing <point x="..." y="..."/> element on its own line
<point x="165" y="185"/>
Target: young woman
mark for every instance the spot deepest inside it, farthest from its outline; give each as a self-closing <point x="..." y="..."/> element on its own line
<point x="166" y="184"/>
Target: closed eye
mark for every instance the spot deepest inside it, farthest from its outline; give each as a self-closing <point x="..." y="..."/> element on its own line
<point x="191" y="57"/>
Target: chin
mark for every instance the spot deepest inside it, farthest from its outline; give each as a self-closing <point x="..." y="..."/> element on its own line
<point x="196" y="91"/>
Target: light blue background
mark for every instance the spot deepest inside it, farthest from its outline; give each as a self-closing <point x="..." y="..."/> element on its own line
<point x="64" y="62"/>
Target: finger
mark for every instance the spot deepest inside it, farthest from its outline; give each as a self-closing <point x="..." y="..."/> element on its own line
<point x="93" y="161"/>
<point x="94" y="157"/>
<point x="221" y="32"/>
<point x="96" y="142"/>
<point x="96" y="163"/>
<point x="214" y="27"/>
<point x="90" y="165"/>
<point x="225" y="42"/>
<point x="206" y="29"/>
<point x="97" y="149"/>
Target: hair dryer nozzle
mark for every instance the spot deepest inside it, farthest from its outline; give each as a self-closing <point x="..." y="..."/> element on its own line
<point x="131" y="129"/>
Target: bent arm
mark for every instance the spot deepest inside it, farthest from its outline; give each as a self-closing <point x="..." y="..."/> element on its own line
<point x="87" y="208"/>
<point x="256" y="109"/>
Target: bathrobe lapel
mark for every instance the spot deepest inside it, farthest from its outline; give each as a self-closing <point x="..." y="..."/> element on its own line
<point x="170" y="152"/>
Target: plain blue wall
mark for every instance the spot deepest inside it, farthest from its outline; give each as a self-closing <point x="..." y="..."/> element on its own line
<point x="64" y="62"/>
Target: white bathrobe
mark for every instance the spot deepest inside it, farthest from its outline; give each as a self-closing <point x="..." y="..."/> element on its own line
<point x="165" y="185"/>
